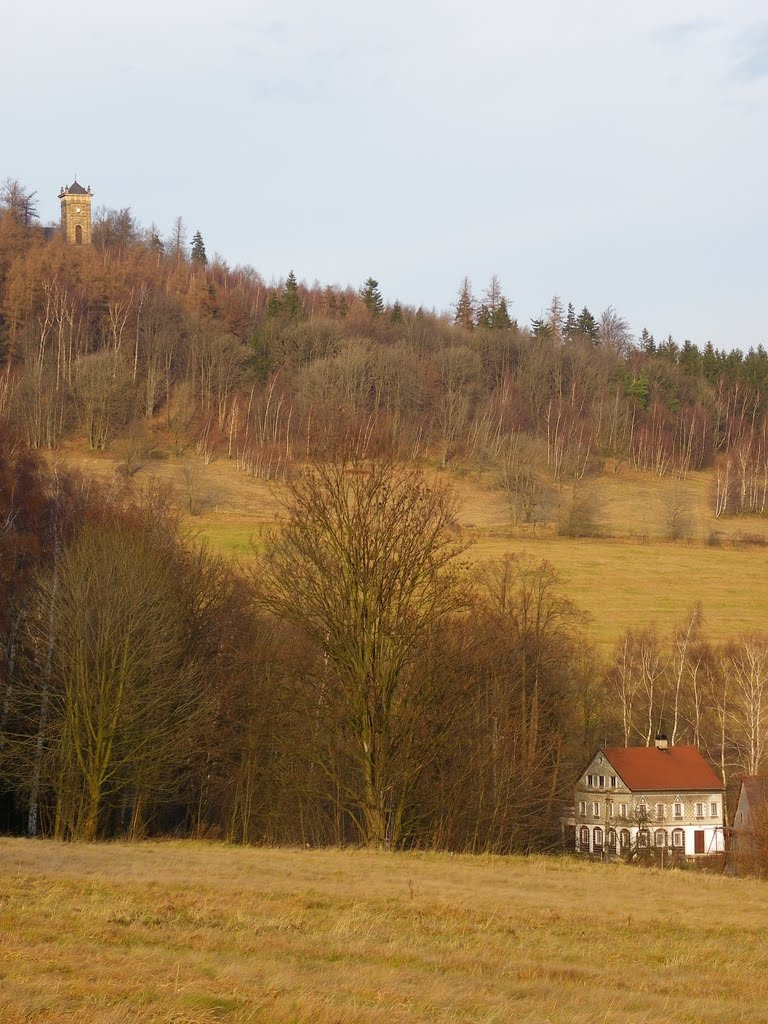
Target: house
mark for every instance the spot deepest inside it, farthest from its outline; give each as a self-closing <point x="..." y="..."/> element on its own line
<point x="748" y="852"/>
<point x="660" y="797"/>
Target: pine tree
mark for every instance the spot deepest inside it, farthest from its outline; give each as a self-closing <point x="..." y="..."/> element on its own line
<point x="371" y="296"/>
<point x="292" y="306"/>
<point x="540" y="328"/>
<point x="485" y="318"/>
<point x="153" y="240"/>
<point x="396" y="315"/>
<point x="587" y="325"/>
<point x="570" y="327"/>
<point x="647" y="342"/>
<point x="197" y="252"/>
<point x="501" y="320"/>
<point x="465" y="306"/>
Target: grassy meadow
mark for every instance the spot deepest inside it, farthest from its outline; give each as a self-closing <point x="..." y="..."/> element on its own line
<point x="630" y="575"/>
<point x="189" y="932"/>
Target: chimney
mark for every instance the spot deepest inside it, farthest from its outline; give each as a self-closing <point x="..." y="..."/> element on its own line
<point x="661" y="741"/>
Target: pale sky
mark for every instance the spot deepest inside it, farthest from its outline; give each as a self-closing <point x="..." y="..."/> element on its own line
<point x="611" y="152"/>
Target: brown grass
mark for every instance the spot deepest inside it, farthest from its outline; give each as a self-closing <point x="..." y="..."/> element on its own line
<point x="631" y="576"/>
<point x="187" y="932"/>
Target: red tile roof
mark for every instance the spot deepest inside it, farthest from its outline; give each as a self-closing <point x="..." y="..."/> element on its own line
<point x="676" y="768"/>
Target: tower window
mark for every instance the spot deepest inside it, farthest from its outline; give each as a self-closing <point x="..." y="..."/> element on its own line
<point x="79" y="234"/>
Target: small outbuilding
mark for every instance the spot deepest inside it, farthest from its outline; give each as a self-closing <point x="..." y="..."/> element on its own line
<point x="748" y="852"/>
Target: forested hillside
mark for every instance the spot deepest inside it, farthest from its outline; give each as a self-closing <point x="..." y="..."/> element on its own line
<point x="357" y="679"/>
<point x="147" y="340"/>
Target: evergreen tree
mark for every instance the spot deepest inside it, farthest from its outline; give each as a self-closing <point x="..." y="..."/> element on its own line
<point x="690" y="358"/>
<point x="396" y="315"/>
<point x="501" y="320"/>
<point x="465" y="306"/>
<point x="197" y="252"/>
<point x="570" y="327"/>
<point x="274" y="306"/>
<point x="669" y="349"/>
<point x="153" y="240"/>
<point x="647" y="342"/>
<point x="710" y="362"/>
<point x="540" y="328"/>
<point x="292" y="306"/>
<point x="485" y="317"/>
<point x="587" y="325"/>
<point x="371" y="296"/>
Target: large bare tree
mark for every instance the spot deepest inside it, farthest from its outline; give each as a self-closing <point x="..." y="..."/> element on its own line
<point x="365" y="565"/>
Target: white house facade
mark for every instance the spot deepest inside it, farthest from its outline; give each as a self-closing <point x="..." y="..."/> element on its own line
<point x="661" y="797"/>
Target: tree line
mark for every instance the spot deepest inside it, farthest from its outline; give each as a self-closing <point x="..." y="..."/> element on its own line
<point x="357" y="681"/>
<point x="144" y="343"/>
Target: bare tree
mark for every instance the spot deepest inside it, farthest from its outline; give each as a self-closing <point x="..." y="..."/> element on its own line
<point x="18" y="201"/>
<point x="364" y="565"/>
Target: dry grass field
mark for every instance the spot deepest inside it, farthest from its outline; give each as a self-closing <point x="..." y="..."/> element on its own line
<point x="187" y="932"/>
<point x="632" y="575"/>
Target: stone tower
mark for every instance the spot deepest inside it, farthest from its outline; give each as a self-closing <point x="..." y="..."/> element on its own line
<point x="76" y="213"/>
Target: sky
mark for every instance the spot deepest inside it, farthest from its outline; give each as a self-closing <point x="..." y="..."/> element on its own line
<point x="612" y="153"/>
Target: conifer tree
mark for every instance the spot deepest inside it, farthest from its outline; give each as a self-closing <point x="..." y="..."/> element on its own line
<point x="501" y="320"/>
<point x="570" y="327"/>
<point x="647" y="342"/>
<point x="153" y="240"/>
<point x="484" y="317"/>
<point x="587" y="325"/>
<point x="292" y="306"/>
<point x="396" y="316"/>
<point x="371" y="296"/>
<point x="197" y="252"/>
<point x="465" y="306"/>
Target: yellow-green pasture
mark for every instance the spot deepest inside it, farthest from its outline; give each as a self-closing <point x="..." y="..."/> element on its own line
<point x="631" y="575"/>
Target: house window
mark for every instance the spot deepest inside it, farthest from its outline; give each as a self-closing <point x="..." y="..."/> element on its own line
<point x="601" y="779"/>
<point x="613" y="782"/>
<point x="699" y="810"/>
<point x="596" y="809"/>
<point x="622" y="810"/>
<point x="624" y="839"/>
<point x="660" y="837"/>
<point x="582" y="806"/>
<point x="584" y="837"/>
<point x="611" y="838"/>
<point x="642" y="837"/>
<point x="678" y="809"/>
<point x="678" y="839"/>
<point x="642" y="810"/>
<point x="597" y="839"/>
<point x="589" y="780"/>
<point x="609" y="808"/>
<point x="714" y="809"/>
<point x="660" y="812"/>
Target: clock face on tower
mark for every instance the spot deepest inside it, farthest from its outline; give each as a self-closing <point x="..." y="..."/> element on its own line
<point x="77" y="209"/>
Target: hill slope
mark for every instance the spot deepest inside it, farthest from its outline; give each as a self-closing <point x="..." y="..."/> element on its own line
<point x="630" y="575"/>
